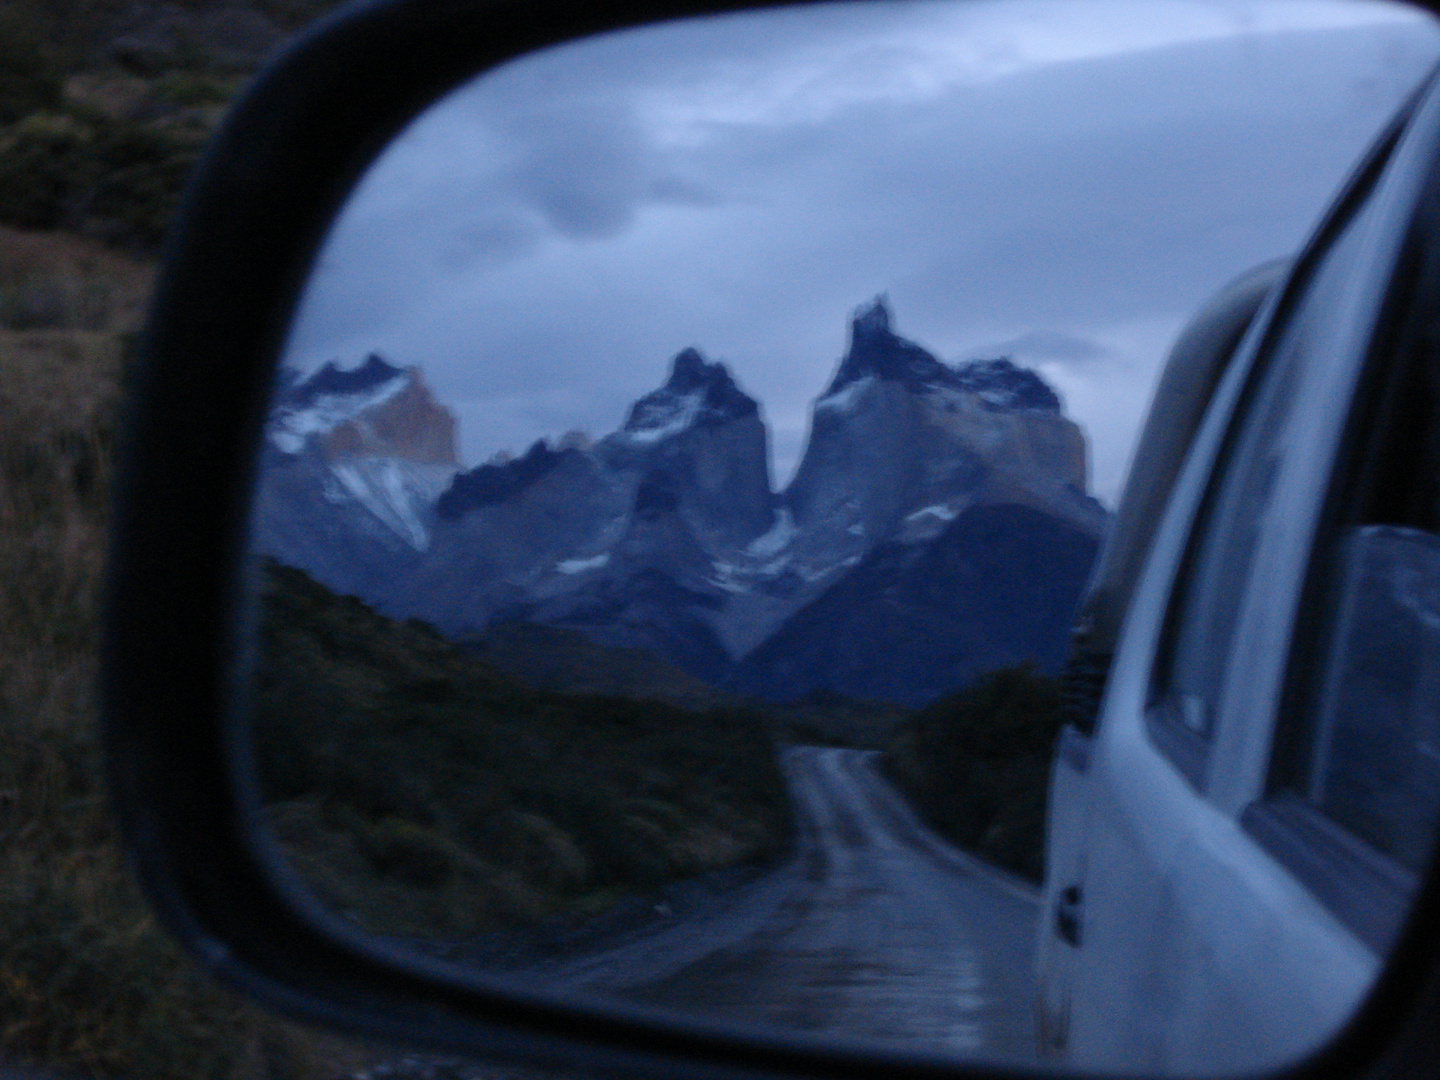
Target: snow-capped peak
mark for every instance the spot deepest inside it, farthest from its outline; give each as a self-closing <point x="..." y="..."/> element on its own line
<point x="697" y="393"/>
<point x="333" y="379"/>
<point x="330" y="397"/>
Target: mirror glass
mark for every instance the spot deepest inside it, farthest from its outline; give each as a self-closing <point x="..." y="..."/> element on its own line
<point x="687" y="458"/>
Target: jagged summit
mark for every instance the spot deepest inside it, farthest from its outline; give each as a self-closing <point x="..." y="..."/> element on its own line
<point x="690" y="371"/>
<point x="871" y="319"/>
<point x="373" y="410"/>
<point x="333" y="379"/>
<point x="934" y="504"/>
<point x="877" y="351"/>
<point x="697" y="394"/>
<point x="1001" y="384"/>
<point x="488" y="485"/>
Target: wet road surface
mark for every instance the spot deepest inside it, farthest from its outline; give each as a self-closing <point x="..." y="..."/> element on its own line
<point x="876" y="929"/>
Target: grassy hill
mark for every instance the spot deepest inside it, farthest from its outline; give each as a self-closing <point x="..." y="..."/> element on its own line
<point x="420" y="790"/>
<point x="568" y="662"/>
<point x="93" y="149"/>
<point x="89" y="985"/>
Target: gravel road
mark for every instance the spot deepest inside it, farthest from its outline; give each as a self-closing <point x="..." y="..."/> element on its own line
<point x="876" y="929"/>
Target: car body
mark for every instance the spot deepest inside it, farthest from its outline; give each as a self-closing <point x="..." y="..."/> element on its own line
<point x="1232" y="855"/>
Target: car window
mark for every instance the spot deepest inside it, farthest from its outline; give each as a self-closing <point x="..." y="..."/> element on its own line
<point x="1354" y="794"/>
<point x="1206" y="604"/>
<point x="1373" y="760"/>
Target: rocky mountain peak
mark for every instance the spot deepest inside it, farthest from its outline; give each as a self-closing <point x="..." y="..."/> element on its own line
<point x="488" y="485"/>
<point x="698" y="393"/>
<point x="1001" y="384"/>
<point x="373" y="410"/>
<point x="871" y="319"/>
<point x="337" y="381"/>
<point x="876" y="351"/>
<point x="690" y="371"/>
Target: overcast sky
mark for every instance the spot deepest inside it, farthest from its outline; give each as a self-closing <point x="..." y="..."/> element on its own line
<point x="1062" y="181"/>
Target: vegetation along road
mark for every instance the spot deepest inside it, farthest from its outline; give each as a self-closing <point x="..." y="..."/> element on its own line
<point x="876" y="928"/>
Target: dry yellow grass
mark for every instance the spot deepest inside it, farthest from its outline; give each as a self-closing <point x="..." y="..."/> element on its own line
<point x="88" y="984"/>
<point x="54" y="281"/>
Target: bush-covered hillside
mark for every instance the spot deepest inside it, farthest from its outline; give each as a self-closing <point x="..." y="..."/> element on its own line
<point x="106" y="104"/>
<point x="90" y="986"/>
<point x="976" y="764"/>
<point x="568" y="662"/>
<point x="421" y="791"/>
<point x="95" y="139"/>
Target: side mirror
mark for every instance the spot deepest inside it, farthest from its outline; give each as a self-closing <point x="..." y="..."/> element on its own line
<point x="222" y="736"/>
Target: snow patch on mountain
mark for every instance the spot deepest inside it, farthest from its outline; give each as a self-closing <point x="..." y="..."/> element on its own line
<point x="292" y="425"/>
<point x="939" y="511"/>
<point x="400" y="493"/>
<point x="1002" y="384"/>
<point x="847" y="397"/>
<point x="811" y="574"/>
<point x="730" y="578"/>
<point x="776" y="540"/>
<point x="697" y="393"/>
<point x="368" y="440"/>
<point x="579" y="566"/>
<point x="659" y="418"/>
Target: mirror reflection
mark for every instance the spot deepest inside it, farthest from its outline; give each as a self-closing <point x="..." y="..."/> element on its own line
<point x="688" y="458"/>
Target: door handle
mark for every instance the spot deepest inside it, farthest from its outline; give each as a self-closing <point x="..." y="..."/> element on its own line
<point x="1067" y="914"/>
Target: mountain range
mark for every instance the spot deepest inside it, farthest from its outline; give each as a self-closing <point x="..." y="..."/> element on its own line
<point x="937" y="527"/>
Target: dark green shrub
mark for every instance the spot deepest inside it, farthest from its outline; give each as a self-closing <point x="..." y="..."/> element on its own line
<point x="38" y="161"/>
<point x="119" y="181"/>
<point x="193" y="88"/>
<point x="29" y="77"/>
<point x="398" y="765"/>
<point x="134" y="189"/>
<point x="976" y="764"/>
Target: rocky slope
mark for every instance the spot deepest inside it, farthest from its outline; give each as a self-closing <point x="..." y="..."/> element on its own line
<point x="937" y="526"/>
<point x="941" y="527"/>
<point x="900" y="442"/>
<point x="351" y="472"/>
<point x="419" y="791"/>
<point x="995" y="588"/>
<point x="619" y="539"/>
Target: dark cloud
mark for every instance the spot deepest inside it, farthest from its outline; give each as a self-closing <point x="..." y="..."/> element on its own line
<point x="487" y="240"/>
<point x="584" y="166"/>
<point x="547" y="239"/>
